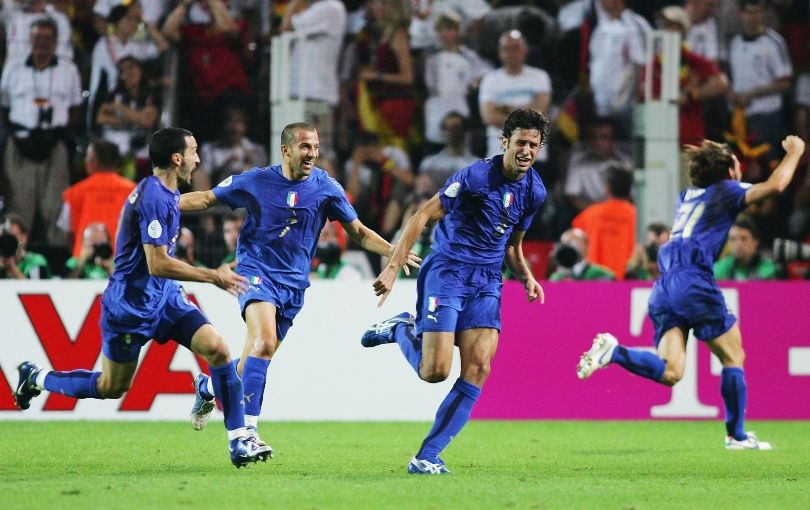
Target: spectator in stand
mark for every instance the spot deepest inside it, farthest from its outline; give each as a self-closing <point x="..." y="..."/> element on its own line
<point x="588" y="165"/>
<point x="322" y="24"/>
<point x="700" y="79"/>
<point x="99" y="197"/>
<point x="330" y="264"/>
<point x="454" y="155"/>
<point x="40" y="98"/>
<point x="643" y="264"/>
<point x="571" y="259"/>
<point x="17" y="18"/>
<point x="385" y="102"/>
<point x="153" y="11"/>
<point x="760" y="74"/>
<point x="611" y="224"/>
<point x="231" y="226"/>
<point x="211" y="40"/>
<point x="703" y="35"/>
<point x="15" y="261"/>
<point x="617" y="51"/>
<point x="95" y="261"/>
<point x="121" y="42"/>
<point x="378" y="178"/>
<point x="451" y="70"/>
<point x="427" y="12"/>
<point x="128" y="114"/>
<point x="185" y="248"/>
<point x="745" y="261"/>
<point x="511" y="87"/>
<point x="231" y="154"/>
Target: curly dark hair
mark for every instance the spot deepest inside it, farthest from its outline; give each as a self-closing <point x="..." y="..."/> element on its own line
<point x="526" y="119"/>
<point x="709" y="163"/>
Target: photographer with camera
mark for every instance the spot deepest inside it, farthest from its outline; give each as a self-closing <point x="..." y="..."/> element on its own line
<point x="15" y="261"/>
<point x="744" y="261"/>
<point x="95" y="261"/>
<point x="570" y="257"/>
<point x="643" y="264"/>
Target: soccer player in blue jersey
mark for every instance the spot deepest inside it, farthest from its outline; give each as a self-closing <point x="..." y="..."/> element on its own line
<point x="686" y="295"/>
<point x="287" y="206"/>
<point x="483" y="212"/>
<point x="143" y="300"/>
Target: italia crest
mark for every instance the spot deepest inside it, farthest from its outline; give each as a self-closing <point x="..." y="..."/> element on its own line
<point x="508" y="199"/>
<point x="292" y="198"/>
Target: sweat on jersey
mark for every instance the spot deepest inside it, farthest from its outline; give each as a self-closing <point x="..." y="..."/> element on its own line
<point x="150" y="216"/>
<point x="483" y="207"/>
<point x="285" y="218"/>
<point x="703" y="217"/>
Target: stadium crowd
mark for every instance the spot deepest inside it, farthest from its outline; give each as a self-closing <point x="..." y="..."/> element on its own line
<point x="403" y="94"/>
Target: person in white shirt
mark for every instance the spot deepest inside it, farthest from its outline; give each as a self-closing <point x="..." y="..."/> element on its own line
<point x="17" y="19"/>
<point x="153" y="11"/>
<point x="435" y="169"/>
<point x="703" y="35"/>
<point x="426" y="12"/>
<point x="511" y="87"/>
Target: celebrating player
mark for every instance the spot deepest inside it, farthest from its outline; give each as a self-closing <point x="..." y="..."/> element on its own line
<point x="483" y="210"/>
<point x="143" y="301"/>
<point x="686" y="295"/>
<point x="287" y="206"/>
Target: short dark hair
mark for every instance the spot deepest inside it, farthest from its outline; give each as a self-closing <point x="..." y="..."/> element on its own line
<point x="619" y="181"/>
<point x="233" y="216"/>
<point x="526" y="119"/>
<point x="657" y="228"/>
<point x="455" y="115"/>
<point x="13" y="219"/>
<point x="46" y="22"/>
<point x="106" y="153"/>
<point x="709" y="163"/>
<point x="365" y="138"/>
<point x="117" y="13"/>
<point x="165" y="142"/>
<point x="746" y="3"/>
<point x="745" y="222"/>
<point x="289" y="131"/>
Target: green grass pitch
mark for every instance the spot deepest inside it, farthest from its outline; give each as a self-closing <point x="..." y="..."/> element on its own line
<point x="535" y="465"/>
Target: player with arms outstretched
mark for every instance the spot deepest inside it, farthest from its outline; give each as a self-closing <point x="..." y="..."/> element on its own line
<point x="686" y="295"/>
<point x="483" y="212"/>
<point x="287" y="206"/>
<point x="143" y="300"/>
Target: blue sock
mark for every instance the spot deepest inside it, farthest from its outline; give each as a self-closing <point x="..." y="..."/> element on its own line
<point x="75" y="383"/>
<point x="453" y="414"/>
<point x="202" y="387"/>
<point x="735" y="395"/>
<point x="410" y="344"/>
<point x="640" y="362"/>
<point x="254" y="376"/>
<point x="228" y="389"/>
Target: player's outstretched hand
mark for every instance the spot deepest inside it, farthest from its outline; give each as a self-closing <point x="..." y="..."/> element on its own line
<point x="534" y="291"/>
<point x="794" y="144"/>
<point x="413" y="260"/>
<point x="385" y="282"/>
<point x="226" y="279"/>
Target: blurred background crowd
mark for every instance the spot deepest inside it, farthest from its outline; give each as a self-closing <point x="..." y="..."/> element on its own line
<point x="403" y="93"/>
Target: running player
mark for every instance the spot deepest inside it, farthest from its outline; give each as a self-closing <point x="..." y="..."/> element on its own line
<point x="143" y="301"/>
<point x="483" y="211"/>
<point x="686" y="295"/>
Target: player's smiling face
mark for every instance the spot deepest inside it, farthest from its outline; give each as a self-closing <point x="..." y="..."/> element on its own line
<point x="302" y="153"/>
<point x="190" y="161"/>
<point x="519" y="152"/>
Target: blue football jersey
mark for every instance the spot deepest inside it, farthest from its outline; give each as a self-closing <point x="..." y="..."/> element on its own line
<point x="703" y="217"/>
<point x="285" y="218"/>
<point x="150" y="216"/>
<point x="483" y="207"/>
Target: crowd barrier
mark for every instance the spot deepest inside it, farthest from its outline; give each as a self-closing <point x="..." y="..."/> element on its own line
<point x="322" y="373"/>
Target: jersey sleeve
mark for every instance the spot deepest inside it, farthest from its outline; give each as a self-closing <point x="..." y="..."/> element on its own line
<point x="732" y="195"/>
<point x="453" y="190"/>
<point x="538" y="197"/>
<point x="339" y="207"/>
<point x="154" y="221"/>
<point x="234" y="190"/>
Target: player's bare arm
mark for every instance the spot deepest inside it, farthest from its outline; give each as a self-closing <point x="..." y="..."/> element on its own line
<point x="431" y="211"/>
<point x="782" y="175"/>
<point x="371" y="241"/>
<point x="520" y="268"/>
<point x="197" y="201"/>
<point x="162" y="265"/>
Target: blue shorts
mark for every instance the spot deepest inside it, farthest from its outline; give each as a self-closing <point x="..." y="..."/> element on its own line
<point x="453" y="296"/>
<point x="287" y="300"/>
<point x="178" y="321"/>
<point x="690" y="299"/>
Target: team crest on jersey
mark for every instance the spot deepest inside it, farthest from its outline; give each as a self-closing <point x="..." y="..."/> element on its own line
<point x="255" y="280"/>
<point x="508" y="199"/>
<point x="452" y="190"/>
<point x="155" y="229"/>
<point x="292" y="198"/>
<point x="227" y="182"/>
<point x="433" y="303"/>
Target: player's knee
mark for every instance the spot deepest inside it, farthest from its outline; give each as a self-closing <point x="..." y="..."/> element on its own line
<point x="111" y="389"/>
<point x="477" y="372"/>
<point x="214" y="350"/>
<point x="434" y="372"/>
<point x="264" y="345"/>
<point x="671" y="375"/>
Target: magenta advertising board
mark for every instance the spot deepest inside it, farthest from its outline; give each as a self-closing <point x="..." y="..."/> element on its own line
<point x="534" y="377"/>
